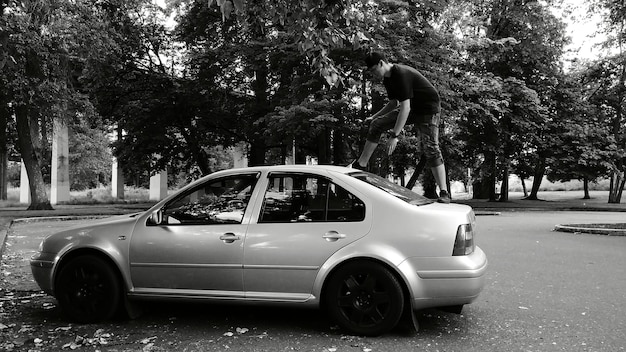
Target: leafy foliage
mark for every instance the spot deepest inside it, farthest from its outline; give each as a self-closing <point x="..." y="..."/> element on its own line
<point x="281" y="76"/>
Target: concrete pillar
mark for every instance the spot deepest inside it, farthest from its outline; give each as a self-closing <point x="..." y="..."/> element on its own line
<point x="24" y="186"/>
<point x="158" y="186"/>
<point x="290" y="159"/>
<point x="117" y="181"/>
<point x="60" y="185"/>
<point x="239" y="153"/>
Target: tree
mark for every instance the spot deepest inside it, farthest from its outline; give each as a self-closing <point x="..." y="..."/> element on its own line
<point x="582" y="149"/>
<point x="318" y="26"/>
<point x="479" y="128"/>
<point x="90" y="155"/>
<point x="509" y="50"/>
<point x="605" y="91"/>
<point x="31" y="85"/>
<point x="45" y="51"/>
<point x="611" y="78"/>
<point x="137" y="82"/>
<point x="258" y="58"/>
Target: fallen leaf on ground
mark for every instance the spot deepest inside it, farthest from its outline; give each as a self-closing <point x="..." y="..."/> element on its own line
<point x="147" y="340"/>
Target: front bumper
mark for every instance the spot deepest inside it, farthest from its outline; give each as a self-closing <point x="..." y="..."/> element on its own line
<point x="41" y="265"/>
<point x="446" y="281"/>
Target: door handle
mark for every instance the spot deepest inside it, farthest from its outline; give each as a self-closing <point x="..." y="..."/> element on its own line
<point x="229" y="237"/>
<point x="333" y="236"/>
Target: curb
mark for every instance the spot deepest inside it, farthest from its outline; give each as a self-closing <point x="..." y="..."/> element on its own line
<point x="590" y="230"/>
<point x="486" y="213"/>
<point x="58" y="218"/>
<point x="4" y="230"/>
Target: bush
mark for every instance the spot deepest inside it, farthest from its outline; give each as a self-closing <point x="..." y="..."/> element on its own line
<point x="102" y="195"/>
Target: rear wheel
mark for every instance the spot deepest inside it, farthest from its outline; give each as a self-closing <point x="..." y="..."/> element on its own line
<point x="88" y="290"/>
<point x="364" y="298"/>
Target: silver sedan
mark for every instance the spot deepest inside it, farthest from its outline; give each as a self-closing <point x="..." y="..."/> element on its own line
<point x="366" y="250"/>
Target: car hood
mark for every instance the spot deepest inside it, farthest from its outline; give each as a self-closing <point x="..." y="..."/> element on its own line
<point x="95" y="232"/>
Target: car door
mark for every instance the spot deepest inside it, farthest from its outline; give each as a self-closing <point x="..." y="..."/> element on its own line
<point x="303" y="220"/>
<point x="197" y="248"/>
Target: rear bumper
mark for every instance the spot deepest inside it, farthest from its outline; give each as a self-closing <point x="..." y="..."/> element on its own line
<point x="446" y="281"/>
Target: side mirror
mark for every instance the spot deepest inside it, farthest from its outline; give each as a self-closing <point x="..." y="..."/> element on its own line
<point x="156" y="218"/>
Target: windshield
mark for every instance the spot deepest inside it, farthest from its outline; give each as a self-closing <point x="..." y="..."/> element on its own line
<point x="395" y="190"/>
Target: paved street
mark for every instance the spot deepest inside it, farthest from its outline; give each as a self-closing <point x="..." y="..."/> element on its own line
<point x="546" y="291"/>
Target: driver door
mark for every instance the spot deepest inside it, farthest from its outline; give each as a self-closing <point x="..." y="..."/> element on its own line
<point x="198" y="246"/>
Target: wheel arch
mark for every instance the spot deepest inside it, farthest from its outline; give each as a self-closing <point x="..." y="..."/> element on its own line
<point x="408" y="302"/>
<point x="67" y="257"/>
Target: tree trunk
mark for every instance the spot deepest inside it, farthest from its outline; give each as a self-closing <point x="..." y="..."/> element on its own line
<point x="540" y="170"/>
<point x="586" y="188"/>
<point x="32" y="159"/>
<point x="524" y="186"/>
<point x="504" y="188"/>
<point x="338" y="146"/>
<point x="338" y="155"/>
<point x="484" y="184"/>
<point x="490" y="185"/>
<point x="257" y="153"/>
<point x="4" y="118"/>
<point x="196" y="151"/>
<point x="323" y="147"/>
<point x="617" y="178"/>
<point x="617" y="187"/>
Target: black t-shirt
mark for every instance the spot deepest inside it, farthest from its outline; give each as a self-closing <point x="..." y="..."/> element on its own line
<point x="407" y="83"/>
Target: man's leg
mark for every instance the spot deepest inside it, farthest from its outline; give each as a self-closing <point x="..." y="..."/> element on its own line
<point x="366" y="154"/>
<point x="377" y="127"/>
<point x="439" y="172"/>
<point x="430" y="141"/>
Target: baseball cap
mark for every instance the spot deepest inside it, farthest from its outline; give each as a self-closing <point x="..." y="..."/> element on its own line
<point x="374" y="58"/>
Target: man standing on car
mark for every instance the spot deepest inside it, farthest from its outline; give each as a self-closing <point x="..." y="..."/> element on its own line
<point x="419" y="105"/>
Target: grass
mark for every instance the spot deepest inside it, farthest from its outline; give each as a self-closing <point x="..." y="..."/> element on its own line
<point x="515" y="185"/>
<point x="101" y="195"/>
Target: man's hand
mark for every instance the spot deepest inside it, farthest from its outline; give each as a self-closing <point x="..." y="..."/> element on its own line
<point x="369" y="119"/>
<point x="391" y="145"/>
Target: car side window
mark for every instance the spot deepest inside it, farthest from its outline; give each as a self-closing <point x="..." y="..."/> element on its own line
<point x="303" y="198"/>
<point x="221" y="201"/>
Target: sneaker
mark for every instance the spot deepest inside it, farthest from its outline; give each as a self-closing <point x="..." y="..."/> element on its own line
<point x="444" y="197"/>
<point x="355" y="165"/>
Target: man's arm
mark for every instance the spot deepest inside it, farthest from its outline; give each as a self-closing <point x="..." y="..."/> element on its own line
<point x="392" y="104"/>
<point x="403" y="115"/>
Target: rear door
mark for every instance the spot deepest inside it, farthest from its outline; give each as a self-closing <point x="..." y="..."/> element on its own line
<point x="303" y="220"/>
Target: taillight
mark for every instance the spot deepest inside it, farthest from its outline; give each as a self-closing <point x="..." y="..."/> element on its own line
<point x="464" y="242"/>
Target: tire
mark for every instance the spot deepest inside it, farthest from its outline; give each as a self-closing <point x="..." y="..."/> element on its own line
<point x="364" y="298"/>
<point x="88" y="290"/>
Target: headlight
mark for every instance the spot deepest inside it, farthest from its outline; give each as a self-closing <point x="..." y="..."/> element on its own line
<point x="464" y="242"/>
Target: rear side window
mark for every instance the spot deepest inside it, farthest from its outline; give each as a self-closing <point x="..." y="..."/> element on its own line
<point x="395" y="190"/>
<point x="307" y="198"/>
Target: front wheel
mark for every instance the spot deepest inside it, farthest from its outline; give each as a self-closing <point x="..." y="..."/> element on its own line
<point x="88" y="289"/>
<point x="364" y="298"/>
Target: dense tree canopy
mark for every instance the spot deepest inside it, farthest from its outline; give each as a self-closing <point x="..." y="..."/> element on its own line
<point x="286" y="79"/>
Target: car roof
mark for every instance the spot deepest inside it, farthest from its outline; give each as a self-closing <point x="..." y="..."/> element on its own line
<point x="296" y="167"/>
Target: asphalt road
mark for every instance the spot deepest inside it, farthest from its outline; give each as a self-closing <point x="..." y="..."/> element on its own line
<point x="546" y="291"/>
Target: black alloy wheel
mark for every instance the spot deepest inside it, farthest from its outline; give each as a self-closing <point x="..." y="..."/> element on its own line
<point x="365" y="298"/>
<point x="88" y="289"/>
